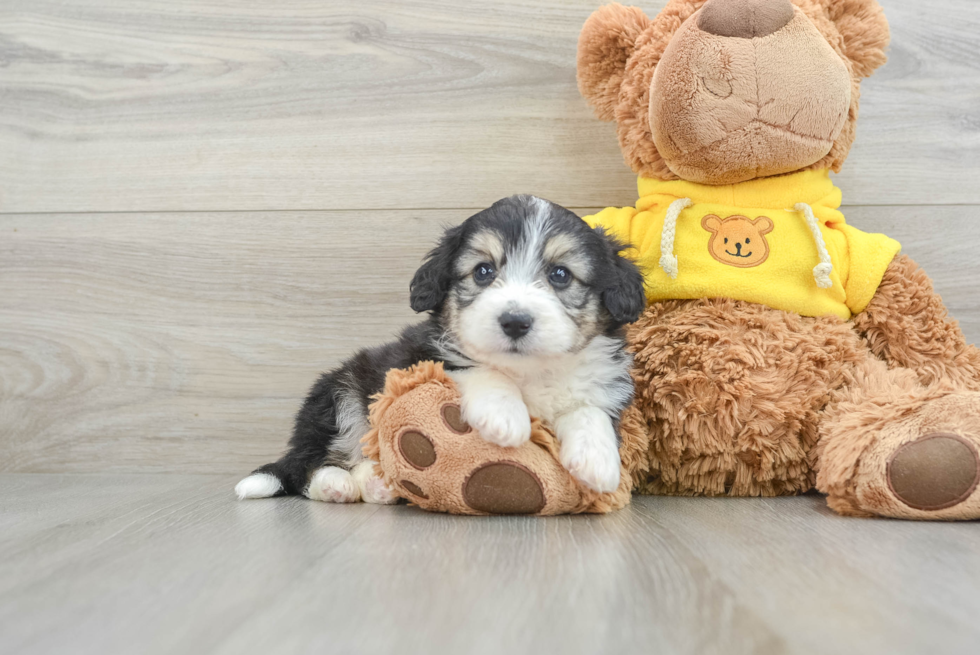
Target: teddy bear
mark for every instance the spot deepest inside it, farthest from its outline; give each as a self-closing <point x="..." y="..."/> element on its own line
<point x="783" y="350"/>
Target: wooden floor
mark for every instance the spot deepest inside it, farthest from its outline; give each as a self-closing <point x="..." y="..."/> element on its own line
<point x="172" y="564"/>
<point x="205" y="203"/>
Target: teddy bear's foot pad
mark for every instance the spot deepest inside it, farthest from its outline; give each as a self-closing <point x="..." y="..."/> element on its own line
<point x="417" y="450"/>
<point x="934" y="472"/>
<point x="504" y="488"/>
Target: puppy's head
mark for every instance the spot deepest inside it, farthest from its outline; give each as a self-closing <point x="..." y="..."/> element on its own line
<point x="527" y="277"/>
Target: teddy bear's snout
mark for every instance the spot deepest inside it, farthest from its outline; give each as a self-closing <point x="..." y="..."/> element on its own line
<point x="745" y="19"/>
<point x="725" y="109"/>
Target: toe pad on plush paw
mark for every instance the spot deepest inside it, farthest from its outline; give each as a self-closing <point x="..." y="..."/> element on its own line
<point x="934" y="472"/>
<point x="504" y="488"/>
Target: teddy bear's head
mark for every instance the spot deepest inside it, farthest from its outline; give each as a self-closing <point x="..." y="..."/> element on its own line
<point x="725" y="91"/>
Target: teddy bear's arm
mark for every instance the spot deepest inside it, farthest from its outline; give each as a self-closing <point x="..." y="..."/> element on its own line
<point x="907" y="325"/>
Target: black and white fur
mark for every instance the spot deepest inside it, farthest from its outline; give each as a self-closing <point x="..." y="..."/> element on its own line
<point x="526" y="306"/>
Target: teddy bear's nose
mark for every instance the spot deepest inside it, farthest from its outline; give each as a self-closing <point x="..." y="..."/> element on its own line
<point x="745" y="19"/>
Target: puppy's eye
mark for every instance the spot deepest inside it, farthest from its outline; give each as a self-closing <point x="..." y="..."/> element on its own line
<point x="560" y="277"/>
<point x="484" y="274"/>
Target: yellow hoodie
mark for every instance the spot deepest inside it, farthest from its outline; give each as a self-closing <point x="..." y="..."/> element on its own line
<point x="778" y="241"/>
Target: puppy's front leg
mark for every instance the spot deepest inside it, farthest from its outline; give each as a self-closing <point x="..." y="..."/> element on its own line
<point x="589" y="447"/>
<point x="492" y="404"/>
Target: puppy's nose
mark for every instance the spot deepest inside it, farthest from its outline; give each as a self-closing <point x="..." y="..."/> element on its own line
<point x="516" y="325"/>
<point x="745" y="19"/>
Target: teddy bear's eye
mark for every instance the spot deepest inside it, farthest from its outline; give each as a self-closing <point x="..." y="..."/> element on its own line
<point x="748" y="241"/>
<point x="726" y="239"/>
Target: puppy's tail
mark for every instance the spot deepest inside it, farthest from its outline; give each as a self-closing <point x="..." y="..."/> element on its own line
<point x="276" y="479"/>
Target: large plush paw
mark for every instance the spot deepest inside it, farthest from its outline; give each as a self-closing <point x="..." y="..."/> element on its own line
<point x="370" y="485"/>
<point x="922" y="464"/>
<point x="588" y="449"/>
<point x="499" y="416"/>
<point x="434" y="458"/>
<point x="450" y="465"/>
<point x="332" y="484"/>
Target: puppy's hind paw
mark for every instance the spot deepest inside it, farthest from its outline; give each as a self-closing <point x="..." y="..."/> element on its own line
<point x="501" y="419"/>
<point x="373" y="489"/>
<point x="332" y="484"/>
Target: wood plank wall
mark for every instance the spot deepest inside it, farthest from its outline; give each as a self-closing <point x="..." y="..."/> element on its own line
<point x="205" y="203"/>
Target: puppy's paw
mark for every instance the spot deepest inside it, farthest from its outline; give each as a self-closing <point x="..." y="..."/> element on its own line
<point x="594" y="465"/>
<point x="500" y="418"/>
<point x="370" y="485"/>
<point x="332" y="484"/>
<point x="588" y="449"/>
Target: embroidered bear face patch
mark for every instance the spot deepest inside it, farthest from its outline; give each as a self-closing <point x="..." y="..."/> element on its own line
<point x="738" y="240"/>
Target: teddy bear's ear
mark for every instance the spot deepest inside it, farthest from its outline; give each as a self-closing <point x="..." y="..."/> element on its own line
<point x="604" y="46"/>
<point x="864" y="29"/>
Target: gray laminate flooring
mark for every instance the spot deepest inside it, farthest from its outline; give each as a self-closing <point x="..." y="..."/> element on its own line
<point x="173" y="564"/>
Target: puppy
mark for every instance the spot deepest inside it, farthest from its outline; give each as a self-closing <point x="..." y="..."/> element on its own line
<point x="526" y="306"/>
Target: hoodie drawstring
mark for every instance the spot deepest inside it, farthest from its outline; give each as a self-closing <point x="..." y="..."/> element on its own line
<point x="668" y="261"/>
<point x="822" y="271"/>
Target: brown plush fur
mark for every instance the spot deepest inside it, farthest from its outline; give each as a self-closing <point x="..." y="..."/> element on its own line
<point x="855" y="29"/>
<point x="732" y="394"/>
<point x="907" y="325"/>
<point x="881" y="413"/>
<point x="743" y="400"/>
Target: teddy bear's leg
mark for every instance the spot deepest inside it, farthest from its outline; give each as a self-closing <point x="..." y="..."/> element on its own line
<point x="731" y="394"/>
<point x="371" y="486"/>
<point x="890" y="446"/>
<point x="907" y="325"/>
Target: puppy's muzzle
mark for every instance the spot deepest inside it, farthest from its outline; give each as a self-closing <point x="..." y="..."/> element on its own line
<point x="516" y="325"/>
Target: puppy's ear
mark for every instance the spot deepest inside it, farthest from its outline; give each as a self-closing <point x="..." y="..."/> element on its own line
<point x="623" y="294"/>
<point x="432" y="281"/>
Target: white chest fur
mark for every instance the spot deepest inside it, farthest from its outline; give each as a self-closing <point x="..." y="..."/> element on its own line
<point x="552" y="386"/>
